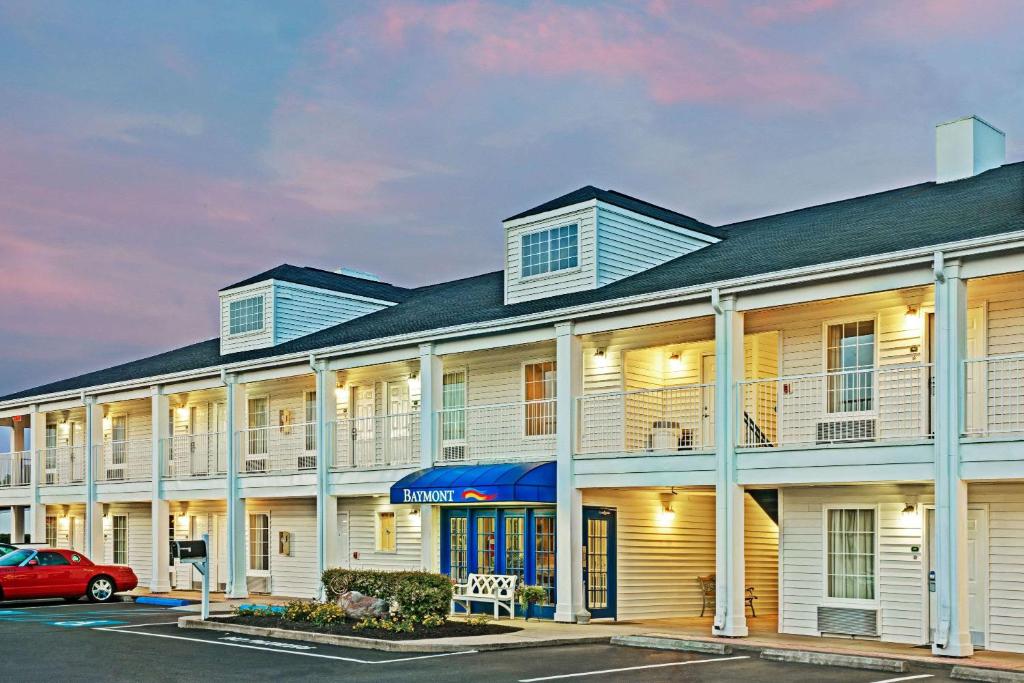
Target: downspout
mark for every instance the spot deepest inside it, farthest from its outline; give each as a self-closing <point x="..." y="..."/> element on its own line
<point x="720" y="616"/>
<point x="938" y="267"/>
<point x="942" y="629"/>
<point x="321" y="472"/>
<point x="716" y="303"/>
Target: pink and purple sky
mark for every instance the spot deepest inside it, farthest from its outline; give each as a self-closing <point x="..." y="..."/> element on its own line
<point x="151" y="153"/>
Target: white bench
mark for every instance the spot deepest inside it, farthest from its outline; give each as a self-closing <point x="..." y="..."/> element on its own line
<point x="498" y="589"/>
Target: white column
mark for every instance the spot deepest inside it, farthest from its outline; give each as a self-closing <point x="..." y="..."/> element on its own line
<point x="952" y="637"/>
<point x="160" y="509"/>
<point x="569" y="540"/>
<point x="326" y="505"/>
<point x="93" y="509"/>
<point x="431" y="401"/>
<point x="37" y="437"/>
<point x="730" y="618"/>
<point x="17" y="511"/>
<point x="236" y="409"/>
<point x="18" y="524"/>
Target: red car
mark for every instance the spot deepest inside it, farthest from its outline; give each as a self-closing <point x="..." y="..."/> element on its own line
<point x="57" y="573"/>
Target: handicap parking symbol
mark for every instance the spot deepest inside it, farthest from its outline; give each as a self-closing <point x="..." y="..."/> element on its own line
<point x="85" y="622"/>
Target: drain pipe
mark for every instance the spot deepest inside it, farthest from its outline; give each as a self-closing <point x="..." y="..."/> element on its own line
<point x="716" y="303"/>
<point x="720" y="612"/>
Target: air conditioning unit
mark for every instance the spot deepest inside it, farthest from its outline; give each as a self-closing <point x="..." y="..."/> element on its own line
<point x="307" y="462"/>
<point x="258" y="584"/>
<point x="255" y="465"/>
<point x="848" y="621"/>
<point x="453" y="453"/>
<point x="845" y="431"/>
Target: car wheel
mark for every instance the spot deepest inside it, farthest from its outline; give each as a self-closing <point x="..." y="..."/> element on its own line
<point x="101" y="589"/>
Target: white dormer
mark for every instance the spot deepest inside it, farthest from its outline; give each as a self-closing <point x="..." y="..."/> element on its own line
<point x="590" y="238"/>
<point x="290" y="302"/>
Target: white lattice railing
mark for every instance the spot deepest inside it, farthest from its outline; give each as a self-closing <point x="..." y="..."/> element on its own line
<point x="186" y="456"/>
<point x="62" y="465"/>
<point x="891" y="403"/>
<point x="274" y="450"/>
<point x="15" y="469"/>
<point x="124" y="460"/>
<point x="377" y="442"/>
<point x="666" y="420"/>
<point x="994" y="395"/>
<point x="510" y="431"/>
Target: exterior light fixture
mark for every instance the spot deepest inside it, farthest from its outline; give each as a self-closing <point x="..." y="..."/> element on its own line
<point x="600" y="357"/>
<point x="341" y="394"/>
<point x="912" y="318"/>
<point x="909" y="511"/>
<point x="182" y="412"/>
<point x="675" y="363"/>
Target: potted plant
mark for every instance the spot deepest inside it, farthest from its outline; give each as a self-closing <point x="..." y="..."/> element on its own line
<point x="529" y="596"/>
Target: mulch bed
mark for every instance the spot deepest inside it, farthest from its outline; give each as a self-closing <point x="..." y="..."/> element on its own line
<point x="451" y="629"/>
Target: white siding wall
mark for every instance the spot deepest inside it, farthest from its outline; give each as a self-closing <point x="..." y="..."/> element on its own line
<point x="570" y="280"/>
<point x="249" y="340"/>
<point x="292" y="575"/>
<point x="140" y="550"/>
<point x="900" y="571"/>
<point x="658" y="563"/>
<point x="628" y="243"/>
<point x="363" y="534"/>
<point x="300" y="310"/>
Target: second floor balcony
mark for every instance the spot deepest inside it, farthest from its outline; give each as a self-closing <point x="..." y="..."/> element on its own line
<point x="188" y="456"/>
<point x="376" y="442"/>
<point x="994" y="396"/>
<point x="497" y="433"/>
<point x="281" y="449"/>
<point x="62" y="465"/>
<point x="15" y="469"/>
<point x="118" y="461"/>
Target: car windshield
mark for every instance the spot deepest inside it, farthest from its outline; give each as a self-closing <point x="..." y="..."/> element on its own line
<point x="15" y="558"/>
<point x="5" y="548"/>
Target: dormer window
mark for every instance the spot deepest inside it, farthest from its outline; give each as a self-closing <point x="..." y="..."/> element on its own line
<point x="547" y="251"/>
<point x="245" y="315"/>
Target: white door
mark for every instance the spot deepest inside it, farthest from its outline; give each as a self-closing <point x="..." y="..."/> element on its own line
<point x="219" y="540"/>
<point x="707" y="376"/>
<point x="398" y="427"/>
<point x="977" y="573"/>
<point x="363" y="406"/>
<point x="343" y="549"/>
<point x="976" y="417"/>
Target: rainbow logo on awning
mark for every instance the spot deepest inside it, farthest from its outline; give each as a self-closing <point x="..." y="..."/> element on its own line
<point x="473" y="494"/>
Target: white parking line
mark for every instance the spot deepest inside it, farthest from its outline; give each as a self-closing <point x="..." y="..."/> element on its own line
<point x="904" y="678"/>
<point x="117" y="628"/>
<point x="287" y="652"/>
<point x="630" y="668"/>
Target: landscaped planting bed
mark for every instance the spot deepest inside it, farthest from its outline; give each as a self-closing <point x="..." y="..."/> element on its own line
<point x="449" y="629"/>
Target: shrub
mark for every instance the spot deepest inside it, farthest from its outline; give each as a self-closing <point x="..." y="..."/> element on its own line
<point x="393" y="624"/>
<point x="299" y="610"/>
<point x="477" y="619"/>
<point x="529" y="595"/>
<point x="414" y="596"/>
<point x="327" y="613"/>
<point x="255" y="611"/>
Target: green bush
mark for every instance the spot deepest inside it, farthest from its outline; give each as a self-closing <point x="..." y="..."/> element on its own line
<point x="394" y="624"/>
<point x="327" y="613"/>
<point x="299" y="610"/>
<point x="414" y="596"/>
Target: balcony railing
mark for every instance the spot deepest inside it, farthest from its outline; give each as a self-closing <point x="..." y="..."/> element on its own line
<point x="124" y="460"/>
<point x="276" y="450"/>
<point x="994" y="395"/>
<point x="187" y="456"/>
<point x="15" y="469"/>
<point x="510" y="431"/>
<point x="62" y="465"/>
<point x="377" y="442"/>
<point x="666" y="420"/>
<point x="851" y="406"/>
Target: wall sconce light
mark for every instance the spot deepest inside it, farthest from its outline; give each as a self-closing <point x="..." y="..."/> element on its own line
<point x="183" y="521"/>
<point x="107" y="422"/>
<point x="600" y="358"/>
<point x="414" y="384"/>
<point x="65" y="427"/>
<point x="912" y="318"/>
<point x="64" y="522"/>
<point x="182" y="412"/>
<point x="415" y="512"/>
<point x="675" y="363"/>
<point x="341" y="395"/>
<point x="909" y="511"/>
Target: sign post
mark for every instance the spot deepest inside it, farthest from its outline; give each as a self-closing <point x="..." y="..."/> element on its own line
<point x="195" y="553"/>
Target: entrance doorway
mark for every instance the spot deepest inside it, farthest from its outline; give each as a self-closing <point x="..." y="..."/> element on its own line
<point x="342" y="550"/>
<point x="599" y="562"/>
<point x="977" y="574"/>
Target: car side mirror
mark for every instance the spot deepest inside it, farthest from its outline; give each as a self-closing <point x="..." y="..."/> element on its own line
<point x="32" y="563"/>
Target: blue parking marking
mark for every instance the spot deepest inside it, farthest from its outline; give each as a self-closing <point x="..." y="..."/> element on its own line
<point x="86" y="623"/>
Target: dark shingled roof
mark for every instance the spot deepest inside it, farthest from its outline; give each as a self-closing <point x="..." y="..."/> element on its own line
<point x="911" y="217"/>
<point x="624" y="201"/>
<point x="325" y="279"/>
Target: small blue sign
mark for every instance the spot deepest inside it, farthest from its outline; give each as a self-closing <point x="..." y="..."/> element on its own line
<point x="85" y="623"/>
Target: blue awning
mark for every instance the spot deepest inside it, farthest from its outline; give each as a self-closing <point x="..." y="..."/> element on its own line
<point x="526" y="482"/>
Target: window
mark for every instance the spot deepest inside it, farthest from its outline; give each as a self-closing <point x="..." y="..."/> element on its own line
<point x="549" y="250"/>
<point x="259" y="420"/>
<point x="458" y="549"/>
<point x="118" y="446"/>
<point x="245" y="315"/>
<point x="540" y="388"/>
<point x="51" y="531"/>
<point x="485" y="545"/>
<point x="850" y="361"/>
<point x="544" y="554"/>
<point x="119" y="530"/>
<point x="386" y="532"/>
<point x="515" y="545"/>
<point x="310" y="405"/>
<point x="170" y="535"/>
<point x="851" y="553"/>
<point x="453" y="400"/>
<point x="259" y="542"/>
<point x="51" y="559"/>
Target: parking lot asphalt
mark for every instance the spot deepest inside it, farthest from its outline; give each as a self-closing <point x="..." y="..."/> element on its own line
<point x="129" y="642"/>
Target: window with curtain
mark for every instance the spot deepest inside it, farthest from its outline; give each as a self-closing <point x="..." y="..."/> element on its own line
<point x="386" y="532"/>
<point x="119" y="532"/>
<point x="851" y="554"/>
<point x="51" y="531"/>
<point x="515" y="545"/>
<point x="540" y="389"/>
<point x="850" y="355"/>
<point x="485" y="532"/>
<point x="259" y="542"/>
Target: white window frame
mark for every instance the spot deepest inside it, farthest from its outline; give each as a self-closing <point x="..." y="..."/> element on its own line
<point x="848" y="602"/>
<point x="523" y="400"/>
<point x="113" y="538"/>
<point x="551" y="273"/>
<point x="263" y="314"/>
<point x="265" y="456"/>
<point x="377" y="528"/>
<point x="249" y="571"/>
<point x="46" y="531"/>
<point x="825" y="371"/>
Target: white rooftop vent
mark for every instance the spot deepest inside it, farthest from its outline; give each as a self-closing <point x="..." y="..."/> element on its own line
<point x="361" y="274"/>
<point x="966" y="147"/>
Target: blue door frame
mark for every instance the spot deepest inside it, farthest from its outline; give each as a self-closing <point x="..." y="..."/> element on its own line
<point x="599" y="562"/>
<point x="472" y="555"/>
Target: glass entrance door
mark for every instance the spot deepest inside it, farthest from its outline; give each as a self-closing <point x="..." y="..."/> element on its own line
<point x="599" y="561"/>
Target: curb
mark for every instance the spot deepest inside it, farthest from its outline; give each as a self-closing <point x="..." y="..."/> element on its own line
<point x="833" y="659"/>
<point x="668" y="643"/>
<point x="970" y="673"/>
<point x="162" y="602"/>
<point x="212" y="624"/>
